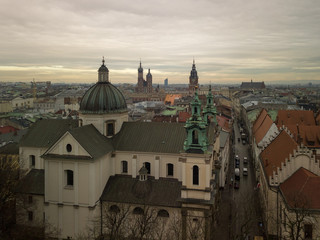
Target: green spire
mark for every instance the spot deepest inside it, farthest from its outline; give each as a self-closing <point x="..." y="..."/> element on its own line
<point x="197" y="141"/>
<point x="210" y="109"/>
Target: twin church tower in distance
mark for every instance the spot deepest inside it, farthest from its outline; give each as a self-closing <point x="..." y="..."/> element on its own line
<point x="145" y="86"/>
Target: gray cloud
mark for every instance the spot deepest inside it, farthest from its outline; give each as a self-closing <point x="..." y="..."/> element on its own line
<point x="230" y="40"/>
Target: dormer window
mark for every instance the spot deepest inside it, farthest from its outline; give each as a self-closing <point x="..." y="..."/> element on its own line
<point x="143" y="173"/>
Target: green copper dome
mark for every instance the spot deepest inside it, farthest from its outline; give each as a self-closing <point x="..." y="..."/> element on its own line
<point x="103" y="97"/>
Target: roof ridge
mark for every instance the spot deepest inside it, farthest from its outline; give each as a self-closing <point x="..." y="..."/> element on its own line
<point x="304" y="184"/>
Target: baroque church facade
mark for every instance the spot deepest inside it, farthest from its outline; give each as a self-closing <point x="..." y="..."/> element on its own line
<point x="74" y="169"/>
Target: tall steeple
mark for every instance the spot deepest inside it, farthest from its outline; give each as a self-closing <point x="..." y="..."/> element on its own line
<point x="193" y="78"/>
<point x="197" y="141"/>
<point x="210" y="109"/>
<point x="103" y="73"/>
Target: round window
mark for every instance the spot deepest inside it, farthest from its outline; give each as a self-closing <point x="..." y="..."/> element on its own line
<point x="69" y="148"/>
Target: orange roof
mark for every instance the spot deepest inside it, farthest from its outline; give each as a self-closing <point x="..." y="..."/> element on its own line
<point x="301" y="189"/>
<point x="171" y="97"/>
<point x="310" y="135"/>
<point x="257" y="123"/>
<point x="293" y="117"/>
<point x="277" y="151"/>
<point x="262" y="125"/>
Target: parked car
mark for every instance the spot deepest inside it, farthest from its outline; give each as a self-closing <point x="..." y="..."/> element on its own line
<point x="245" y="160"/>
<point x="237" y="164"/>
<point x="245" y="172"/>
<point x="236" y="185"/>
<point x="237" y="173"/>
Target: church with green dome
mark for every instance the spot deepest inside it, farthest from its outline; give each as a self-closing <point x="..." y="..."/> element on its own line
<point x="101" y="163"/>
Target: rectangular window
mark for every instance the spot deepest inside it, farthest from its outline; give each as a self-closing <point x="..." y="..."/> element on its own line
<point x="32" y="161"/>
<point x="30" y="215"/>
<point x="170" y="170"/>
<point x="110" y="129"/>
<point x="69" y="177"/>
<point x="124" y="167"/>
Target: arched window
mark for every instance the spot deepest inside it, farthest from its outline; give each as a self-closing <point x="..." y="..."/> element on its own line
<point x="124" y="166"/>
<point x="195" y="110"/>
<point x="147" y="165"/>
<point x="163" y="213"/>
<point x="32" y="161"/>
<point x="68" y="177"/>
<point x="195" y="175"/>
<point x="114" y="209"/>
<point x="138" y="210"/>
<point x="195" y="137"/>
<point x="170" y="169"/>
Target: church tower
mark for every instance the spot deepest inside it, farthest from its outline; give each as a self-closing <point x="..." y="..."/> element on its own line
<point x="149" y="82"/>
<point x="140" y="85"/>
<point x="210" y="110"/>
<point x="193" y="79"/>
<point x="197" y="141"/>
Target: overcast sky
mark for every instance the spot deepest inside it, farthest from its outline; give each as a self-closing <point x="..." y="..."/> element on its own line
<point x="231" y="40"/>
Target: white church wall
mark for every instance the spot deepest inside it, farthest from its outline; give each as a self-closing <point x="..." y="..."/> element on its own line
<point x="157" y="161"/>
<point x="99" y="121"/>
<point x="25" y="154"/>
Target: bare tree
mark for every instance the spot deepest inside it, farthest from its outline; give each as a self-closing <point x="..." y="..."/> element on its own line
<point x="143" y="224"/>
<point x="9" y="178"/>
<point x="195" y="228"/>
<point x="296" y="216"/>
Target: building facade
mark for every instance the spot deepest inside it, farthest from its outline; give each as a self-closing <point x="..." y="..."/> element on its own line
<point x="102" y="164"/>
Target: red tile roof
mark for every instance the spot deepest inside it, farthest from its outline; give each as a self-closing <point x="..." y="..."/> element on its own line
<point x="261" y="125"/>
<point x="223" y="122"/>
<point x="310" y="136"/>
<point x="301" y="189"/>
<point x="277" y="151"/>
<point x="294" y="117"/>
<point x="183" y="116"/>
<point x="7" y="129"/>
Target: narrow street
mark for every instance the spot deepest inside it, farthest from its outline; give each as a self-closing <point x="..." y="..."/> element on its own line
<point x="239" y="213"/>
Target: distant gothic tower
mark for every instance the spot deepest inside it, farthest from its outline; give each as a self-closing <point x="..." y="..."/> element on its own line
<point x="193" y="79"/>
<point x="141" y="81"/>
<point x="144" y="86"/>
<point x="149" y="82"/>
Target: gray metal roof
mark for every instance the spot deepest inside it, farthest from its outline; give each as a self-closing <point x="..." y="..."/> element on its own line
<point x="151" y="137"/>
<point x="92" y="140"/>
<point x="125" y="189"/>
<point x="32" y="183"/>
<point x="223" y="138"/>
<point x="46" y="132"/>
<point x="10" y="148"/>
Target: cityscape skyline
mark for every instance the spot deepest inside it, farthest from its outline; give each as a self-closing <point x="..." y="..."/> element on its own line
<point x="231" y="41"/>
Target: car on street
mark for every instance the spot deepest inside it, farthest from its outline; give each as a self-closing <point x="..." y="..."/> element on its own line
<point x="245" y="160"/>
<point x="237" y="173"/>
<point x="245" y="172"/>
<point x="237" y="164"/>
<point x="236" y="185"/>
